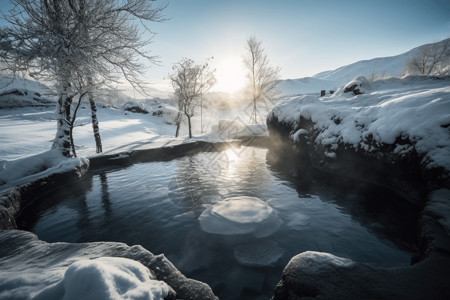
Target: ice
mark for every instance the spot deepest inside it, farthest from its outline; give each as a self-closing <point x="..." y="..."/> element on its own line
<point x="259" y="254"/>
<point x="298" y="220"/>
<point x="240" y="215"/>
<point x="106" y="278"/>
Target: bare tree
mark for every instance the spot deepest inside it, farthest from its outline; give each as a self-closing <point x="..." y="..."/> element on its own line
<point x="263" y="77"/>
<point x="190" y="82"/>
<point x="430" y="58"/>
<point x="78" y="44"/>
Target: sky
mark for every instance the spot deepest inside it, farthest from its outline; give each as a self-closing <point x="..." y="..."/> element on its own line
<point x="302" y="37"/>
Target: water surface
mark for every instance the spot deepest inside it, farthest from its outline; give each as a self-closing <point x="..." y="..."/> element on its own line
<point x="157" y="205"/>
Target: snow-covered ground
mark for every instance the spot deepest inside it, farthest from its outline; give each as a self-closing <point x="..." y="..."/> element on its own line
<point x="27" y="132"/>
<point x="416" y="109"/>
<point x="373" y="69"/>
<point x="390" y="111"/>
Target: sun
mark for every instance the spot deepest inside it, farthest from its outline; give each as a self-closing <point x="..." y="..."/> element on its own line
<point x="230" y="75"/>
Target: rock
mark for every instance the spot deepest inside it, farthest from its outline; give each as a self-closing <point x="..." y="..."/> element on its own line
<point x="434" y="224"/>
<point x="29" y="265"/>
<point x="135" y="107"/>
<point x="357" y="85"/>
<point x="325" y="276"/>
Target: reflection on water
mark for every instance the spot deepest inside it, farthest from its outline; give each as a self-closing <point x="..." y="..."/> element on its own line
<point x="157" y="205"/>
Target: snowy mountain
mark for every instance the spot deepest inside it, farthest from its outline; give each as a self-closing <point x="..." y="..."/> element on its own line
<point x="376" y="68"/>
<point x="305" y="85"/>
<point x="24" y="84"/>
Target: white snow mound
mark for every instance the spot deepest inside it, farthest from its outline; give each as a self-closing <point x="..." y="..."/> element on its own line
<point x="240" y="215"/>
<point x="106" y="278"/>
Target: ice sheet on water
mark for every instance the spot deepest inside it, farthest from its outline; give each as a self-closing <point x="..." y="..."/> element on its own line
<point x="240" y="215"/>
<point x="259" y="254"/>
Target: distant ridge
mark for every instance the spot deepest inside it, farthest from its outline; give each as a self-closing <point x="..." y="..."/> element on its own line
<point x="381" y="67"/>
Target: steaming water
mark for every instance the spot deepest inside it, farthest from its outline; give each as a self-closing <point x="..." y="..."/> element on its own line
<point x="157" y="205"/>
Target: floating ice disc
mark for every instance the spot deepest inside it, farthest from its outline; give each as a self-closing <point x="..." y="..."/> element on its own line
<point x="240" y="215"/>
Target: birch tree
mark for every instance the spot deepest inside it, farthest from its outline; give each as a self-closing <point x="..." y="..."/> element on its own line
<point x="79" y="45"/>
<point x="263" y="77"/>
<point x="190" y="82"/>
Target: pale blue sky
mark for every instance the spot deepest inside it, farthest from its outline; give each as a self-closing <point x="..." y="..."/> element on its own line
<point x="303" y="37"/>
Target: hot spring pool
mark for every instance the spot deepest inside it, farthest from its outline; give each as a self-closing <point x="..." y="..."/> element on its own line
<point x="238" y="247"/>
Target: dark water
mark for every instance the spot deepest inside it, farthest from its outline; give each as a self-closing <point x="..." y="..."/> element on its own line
<point x="157" y="205"/>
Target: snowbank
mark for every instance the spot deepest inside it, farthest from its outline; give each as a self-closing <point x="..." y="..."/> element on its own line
<point x="13" y="98"/>
<point x="155" y="108"/>
<point x="33" y="269"/>
<point x="411" y="114"/>
<point x="106" y="278"/>
<point x="50" y="162"/>
<point x="240" y="215"/>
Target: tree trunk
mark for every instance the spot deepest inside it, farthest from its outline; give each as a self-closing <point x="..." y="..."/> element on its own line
<point x="177" y="132"/>
<point x="62" y="138"/>
<point x="201" y="115"/>
<point x="254" y="111"/>
<point x="72" y="124"/>
<point x="190" y="131"/>
<point x="95" y="127"/>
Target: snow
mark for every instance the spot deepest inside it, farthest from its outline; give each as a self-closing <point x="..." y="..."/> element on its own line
<point x="33" y="269"/>
<point x="240" y="215"/>
<point x="305" y="85"/>
<point x="259" y="254"/>
<point x="413" y="108"/>
<point x="311" y="262"/>
<point x="105" y="278"/>
<point x="373" y="69"/>
<point x="357" y="86"/>
<point x="24" y="170"/>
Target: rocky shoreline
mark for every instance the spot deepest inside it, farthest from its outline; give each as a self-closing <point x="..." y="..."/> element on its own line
<point x="309" y="274"/>
<point x="324" y="276"/>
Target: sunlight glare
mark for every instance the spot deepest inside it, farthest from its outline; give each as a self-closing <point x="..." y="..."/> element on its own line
<point x="232" y="154"/>
<point x="230" y="74"/>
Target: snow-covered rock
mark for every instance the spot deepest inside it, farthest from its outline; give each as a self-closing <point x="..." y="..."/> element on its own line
<point x="259" y="254"/>
<point x="395" y="120"/>
<point x="106" y="278"/>
<point x="326" y="276"/>
<point x="136" y="107"/>
<point x="240" y="215"/>
<point x="22" y="170"/>
<point x="357" y="86"/>
<point x="21" y="179"/>
<point x="434" y="232"/>
<point x="33" y="269"/>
